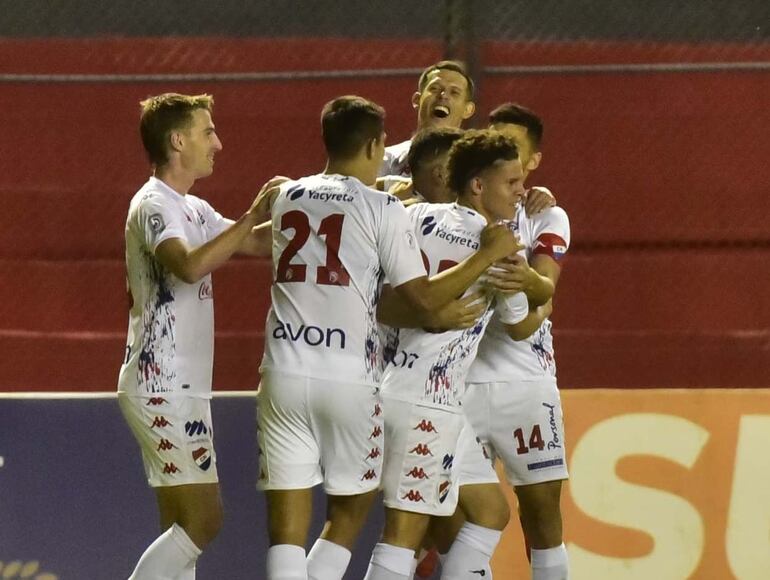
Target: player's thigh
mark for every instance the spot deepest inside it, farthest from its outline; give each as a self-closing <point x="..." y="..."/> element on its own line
<point x="527" y="431"/>
<point x="475" y="457"/>
<point x="175" y="435"/>
<point x="347" y="420"/>
<point x="419" y="472"/>
<point x="289" y="454"/>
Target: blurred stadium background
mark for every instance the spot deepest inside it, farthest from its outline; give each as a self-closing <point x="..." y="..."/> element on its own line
<point x="657" y="119"/>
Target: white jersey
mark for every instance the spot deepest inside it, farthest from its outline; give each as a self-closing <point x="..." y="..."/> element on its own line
<point x="170" y="346"/>
<point x="333" y="238"/>
<point x="499" y="357"/>
<point x="394" y="162"/>
<point x="430" y="368"/>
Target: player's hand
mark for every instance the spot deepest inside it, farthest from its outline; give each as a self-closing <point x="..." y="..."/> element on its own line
<point x="402" y="189"/>
<point x="458" y="314"/>
<point x="263" y="203"/>
<point x="498" y="241"/>
<point x="510" y="275"/>
<point x="538" y="199"/>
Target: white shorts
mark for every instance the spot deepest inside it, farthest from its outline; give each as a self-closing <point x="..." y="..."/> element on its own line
<point x="419" y="474"/>
<point x="175" y="436"/>
<point x="522" y="424"/>
<point x="476" y="465"/>
<point x="312" y="431"/>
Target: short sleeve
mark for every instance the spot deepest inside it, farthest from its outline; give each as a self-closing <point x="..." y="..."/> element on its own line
<point x="214" y="222"/>
<point x="551" y="234"/>
<point x="158" y="221"/>
<point x="512" y="308"/>
<point x="397" y="244"/>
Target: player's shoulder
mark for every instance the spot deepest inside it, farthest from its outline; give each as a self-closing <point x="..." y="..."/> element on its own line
<point x="550" y="216"/>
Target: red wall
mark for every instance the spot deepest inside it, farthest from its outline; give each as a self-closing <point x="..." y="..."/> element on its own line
<point x="663" y="175"/>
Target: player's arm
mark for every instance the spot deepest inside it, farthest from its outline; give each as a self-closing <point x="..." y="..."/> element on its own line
<point x="533" y="321"/>
<point x="460" y="313"/>
<point x="430" y="294"/>
<point x="537" y="281"/>
<point x="259" y="242"/>
<point x="191" y="264"/>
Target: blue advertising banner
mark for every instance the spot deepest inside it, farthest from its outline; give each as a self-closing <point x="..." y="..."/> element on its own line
<point x="74" y="503"/>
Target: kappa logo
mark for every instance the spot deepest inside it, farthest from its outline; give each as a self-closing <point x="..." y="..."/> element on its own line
<point x="160" y="422"/>
<point x="166" y="445"/>
<point x="422" y="449"/>
<point x="377" y="410"/>
<point x="448" y="460"/>
<point x="425" y="427"/>
<point x="202" y="458"/>
<point x="193" y="428"/>
<point x="376" y="432"/>
<point x="413" y="495"/>
<point x="171" y="469"/>
<point x="418" y="473"/>
<point x="200" y="217"/>
<point x="371" y="474"/>
<point x="428" y="225"/>
<point x="295" y="192"/>
<point x="374" y="453"/>
<point x="156" y="401"/>
<point x="443" y="491"/>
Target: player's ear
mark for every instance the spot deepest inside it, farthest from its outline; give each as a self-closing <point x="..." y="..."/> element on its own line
<point x="416" y="99"/>
<point x="476" y="185"/>
<point x="371" y="148"/>
<point x="176" y="140"/>
<point x="469" y="109"/>
<point x="534" y="161"/>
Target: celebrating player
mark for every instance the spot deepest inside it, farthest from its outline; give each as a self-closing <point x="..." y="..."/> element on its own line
<point x="173" y="242"/>
<point x="318" y="406"/>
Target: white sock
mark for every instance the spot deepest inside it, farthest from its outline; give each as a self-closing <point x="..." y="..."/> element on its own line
<point x="327" y="561"/>
<point x="550" y="564"/>
<point x="286" y="562"/>
<point x="390" y="563"/>
<point x="167" y="557"/>
<point x="470" y="553"/>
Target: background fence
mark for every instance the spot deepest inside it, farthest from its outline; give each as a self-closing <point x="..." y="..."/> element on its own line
<point x="657" y="115"/>
<point x="656" y="144"/>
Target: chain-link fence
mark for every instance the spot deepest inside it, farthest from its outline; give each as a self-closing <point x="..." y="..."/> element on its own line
<point x="656" y="118"/>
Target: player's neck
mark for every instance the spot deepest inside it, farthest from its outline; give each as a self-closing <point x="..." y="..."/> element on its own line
<point x="352" y="168"/>
<point x="178" y="180"/>
<point x="464" y="201"/>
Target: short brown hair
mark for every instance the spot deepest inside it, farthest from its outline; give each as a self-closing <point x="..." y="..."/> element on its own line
<point x="163" y="114"/>
<point x="453" y="65"/>
<point x="476" y="151"/>
<point x="348" y="123"/>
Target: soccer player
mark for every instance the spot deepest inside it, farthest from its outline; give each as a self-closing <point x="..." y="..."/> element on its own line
<point x="425" y="375"/>
<point x="444" y="98"/>
<point x="173" y="241"/>
<point x="427" y="160"/>
<point x="318" y="407"/>
<point x="512" y="399"/>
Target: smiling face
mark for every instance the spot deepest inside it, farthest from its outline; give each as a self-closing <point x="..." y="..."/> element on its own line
<point x="197" y="144"/>
<point x="498" y="189"/>
<point x="444" y="101"/>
